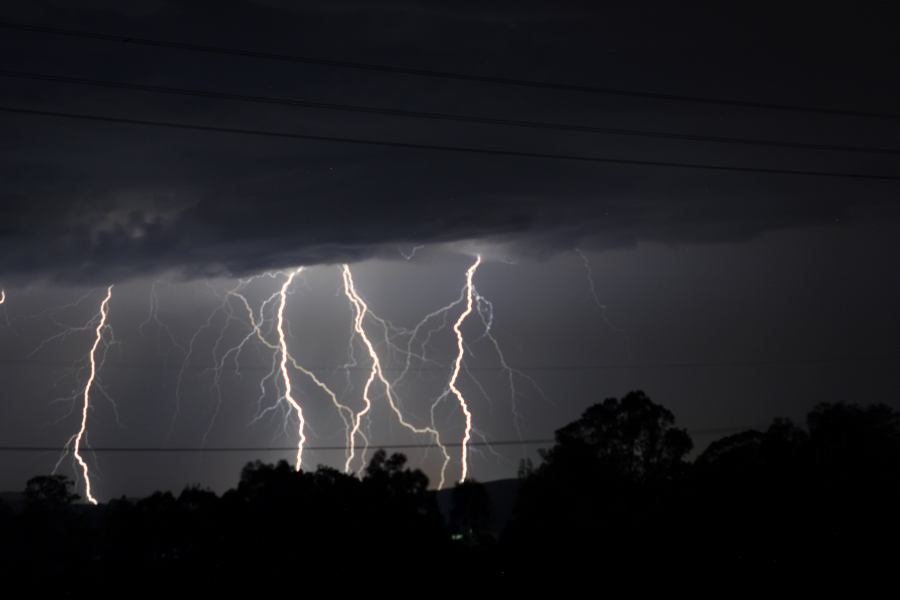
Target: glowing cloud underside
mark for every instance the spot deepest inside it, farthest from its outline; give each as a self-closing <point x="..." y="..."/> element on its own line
<point x="86" y="397"/>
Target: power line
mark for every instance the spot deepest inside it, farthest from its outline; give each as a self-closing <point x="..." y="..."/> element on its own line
<point x="526" y="368"/>
<point x="250" y="449"/>
<point x="436" y="74"/>
<point x="442" y="148"/>
<point x="245" y="449"/>
<point x="435" y="116"/>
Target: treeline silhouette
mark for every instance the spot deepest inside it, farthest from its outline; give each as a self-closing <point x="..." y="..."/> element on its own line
<point x="615" y="499"/>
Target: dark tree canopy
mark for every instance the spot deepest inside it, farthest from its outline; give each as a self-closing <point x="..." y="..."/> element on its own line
<point x="50" y="491"/>
<point x="390" y="473"/>
<point x="615" y="500"/>
<point x="607" y="481"/>
<point x="803" y="497"/>
<point x="633" y="437"/>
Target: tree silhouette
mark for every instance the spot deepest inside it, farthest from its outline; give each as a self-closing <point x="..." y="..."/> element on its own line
<point x="608" y="481"/>
<point x="795" y="497"/>
<point x="633" y="437"/>
<point x="614" y="498"/>
<point x="748" y="489"/>
<point x="49" y="491"/>
<point x="401" y="504"/>
<point x="389" y="473"/>
<point x="855" y="442"/>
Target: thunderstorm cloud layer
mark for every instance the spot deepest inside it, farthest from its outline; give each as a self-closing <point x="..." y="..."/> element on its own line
<point x="107" y="202"/>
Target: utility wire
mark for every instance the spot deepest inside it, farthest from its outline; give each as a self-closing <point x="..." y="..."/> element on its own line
<point x="442" y="148"/>
<point x="436" y="74"/>
<point x="247" y="449"/>
<point x="475" y="368"/>
<point x="435" y="116"/>
<point x="242" y="449"/>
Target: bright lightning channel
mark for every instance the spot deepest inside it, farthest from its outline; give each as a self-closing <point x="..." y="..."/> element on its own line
<point x="415" y="346"/>
<point x="301" y="436"/>
<point x="360" y="310"/>
<point x="281" y="355"/>
<point x="412" y="347"/>
<point x="86" y="403"/>
<point x="460" y="344"/>
<point x="281" y="350"/>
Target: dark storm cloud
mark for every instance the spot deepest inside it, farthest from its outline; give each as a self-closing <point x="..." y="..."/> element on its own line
<point x="102" y="201"/>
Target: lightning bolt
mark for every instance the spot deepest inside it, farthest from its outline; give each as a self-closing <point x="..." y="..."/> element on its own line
<point x="281" y="350"/>
<point x="153" y="317"/>
<point x="460" y="344"/>
<point x="86" y="403"/>
<point x="224" y="308"/>
<point x="360" y="309"/>
<point x="589" y="272"/>
<point x="286" y="377"/>
<point x="283" y="360"/>
<point x="411" y="254"/>
<point x="267" y="324"/>
<point x="418" y="338"/>
<point x="485" y="311"/>
<point x="359" y="314"/>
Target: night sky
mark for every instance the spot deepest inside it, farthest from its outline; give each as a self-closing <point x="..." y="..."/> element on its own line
<point x="729" y="297"/>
